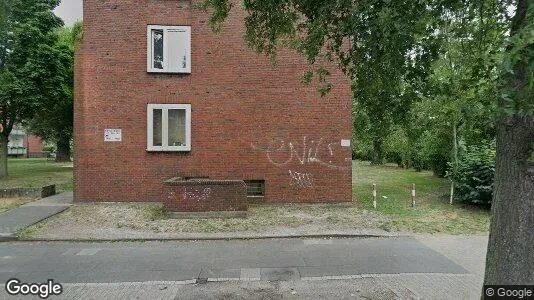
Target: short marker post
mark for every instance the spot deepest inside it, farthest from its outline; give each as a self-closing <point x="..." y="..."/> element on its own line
<point x="374" y="195"/>
<point x="413" y="195"/>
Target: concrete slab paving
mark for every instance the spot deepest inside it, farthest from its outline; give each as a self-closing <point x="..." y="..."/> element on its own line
<point x="11" y="222"/>
<point x="250" y="274"/>
<point x="63" y="199"/>
<point x="15" y="220"/>
<point x="213" y="273"/>
<point x="279" y="274"/>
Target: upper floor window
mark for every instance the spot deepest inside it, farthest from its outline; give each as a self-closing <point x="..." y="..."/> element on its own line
<point x="169" y="49"/>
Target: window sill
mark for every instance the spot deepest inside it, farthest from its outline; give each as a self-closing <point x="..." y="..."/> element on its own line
<point x="157" y="71"/>
<point x="169" y="150"/>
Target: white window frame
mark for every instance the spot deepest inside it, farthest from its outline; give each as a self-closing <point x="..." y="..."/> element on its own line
<point x="149" y="49"/>
<point x="165" y="127"/>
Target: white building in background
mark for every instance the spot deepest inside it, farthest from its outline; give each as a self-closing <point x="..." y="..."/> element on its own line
<point x="21" y="144"/>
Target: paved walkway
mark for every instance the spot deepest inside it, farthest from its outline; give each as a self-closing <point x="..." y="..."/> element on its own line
<point x="440" y="267"/>
<point x="15" y="220"/>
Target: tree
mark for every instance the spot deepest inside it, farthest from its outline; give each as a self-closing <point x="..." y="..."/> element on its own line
<point x="510" y="257"/>
<point x="332" y="29"/>
<point x="54" y="122"/>
<point x="27" y="76"/>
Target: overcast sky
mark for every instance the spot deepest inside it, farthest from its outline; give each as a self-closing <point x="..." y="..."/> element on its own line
<point x="70" y="11"/>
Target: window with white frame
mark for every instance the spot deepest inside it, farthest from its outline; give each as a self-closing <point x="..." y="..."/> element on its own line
<point x="169" y="49"/>
<point x="169" y="127"/>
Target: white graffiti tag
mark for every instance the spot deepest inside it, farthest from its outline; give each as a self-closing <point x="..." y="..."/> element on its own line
<point x="197" y="194"/>
<point x="281" y="153"/>
<point x="300" y="180"/>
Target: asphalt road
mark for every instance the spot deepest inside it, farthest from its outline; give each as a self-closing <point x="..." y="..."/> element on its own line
<point x="383" y="267"/>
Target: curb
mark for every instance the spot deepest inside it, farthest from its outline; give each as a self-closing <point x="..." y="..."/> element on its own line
<point x="220" y="238"/>
<point x="8" y="237"/>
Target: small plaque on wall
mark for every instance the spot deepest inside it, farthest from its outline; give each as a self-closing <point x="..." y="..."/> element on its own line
<point x="112" y="135"/>
<point x="345" y="143"/>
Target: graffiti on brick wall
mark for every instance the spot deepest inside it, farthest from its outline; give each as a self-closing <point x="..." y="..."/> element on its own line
<point x="280" y="152"/>
<point x="196" y="194"/>
<point x="300" y="180"/>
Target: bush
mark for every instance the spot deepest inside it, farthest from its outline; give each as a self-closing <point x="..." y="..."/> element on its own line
<point x="397" y="148"/>
<point x="431" y="152"/>
<point x="473" y="180"/>
<point x="362" y="149"/>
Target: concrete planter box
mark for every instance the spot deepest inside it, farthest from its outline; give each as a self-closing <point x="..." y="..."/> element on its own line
<point x="42" y="192"/>
<point x="205" y="196"/>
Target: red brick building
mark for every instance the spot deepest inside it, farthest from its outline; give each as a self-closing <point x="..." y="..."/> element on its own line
<point x="159" y="95"/>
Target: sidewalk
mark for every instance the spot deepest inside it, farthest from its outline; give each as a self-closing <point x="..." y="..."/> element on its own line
<point x="425" y="267"/>
<point x="11" y="222"/>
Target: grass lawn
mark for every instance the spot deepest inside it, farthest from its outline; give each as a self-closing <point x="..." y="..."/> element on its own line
<point x="432" y="213"/>
<point x="11" y="203"/>
<point x="37" y="173"/>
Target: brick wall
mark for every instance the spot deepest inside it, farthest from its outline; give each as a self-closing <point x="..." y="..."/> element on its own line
<point x="250" y="120"/>
<point x="35" y="146"/>
<point x="205" y="195"/>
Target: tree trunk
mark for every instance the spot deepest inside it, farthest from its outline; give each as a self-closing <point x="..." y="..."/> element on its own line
<point x="510" y="258"/>
<point x="63" y="149"/>
<point x="377" y="152"/>
<point x="3" y="155"/>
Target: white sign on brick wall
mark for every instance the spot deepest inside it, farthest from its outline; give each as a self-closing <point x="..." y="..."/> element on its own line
<point x="112" y="135"/>
<point x="345" y="143"/>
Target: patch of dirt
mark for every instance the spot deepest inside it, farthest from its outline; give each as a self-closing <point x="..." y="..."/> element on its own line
<point x="102" y="221"/>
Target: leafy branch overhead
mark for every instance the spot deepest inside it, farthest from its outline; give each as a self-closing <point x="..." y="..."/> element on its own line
<point x="349" y="31"/>
<point x="385" y="47"/>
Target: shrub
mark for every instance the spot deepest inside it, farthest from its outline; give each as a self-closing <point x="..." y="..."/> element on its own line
<point x="473" y="179"/>
<point x="431" y="152"/>
<point x="362" y="149"/>
<point x="397" y="148"/>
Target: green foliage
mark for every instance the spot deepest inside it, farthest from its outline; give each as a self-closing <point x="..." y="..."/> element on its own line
<point x="432" y="152"/>
<point x="459" y="94"/>
<point x="397" y="147"/>
<point x="473" y="179"/>
<point x="28" y="69"/>
<point x="28" y="75"/>
<point x="517" y="69"/>
<point x="55" y="121"/>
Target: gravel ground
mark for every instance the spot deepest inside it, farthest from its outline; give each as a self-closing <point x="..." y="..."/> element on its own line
<point x="120" y="221"/>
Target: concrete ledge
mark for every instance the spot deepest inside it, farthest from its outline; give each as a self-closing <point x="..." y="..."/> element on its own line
<point x="41" y="192"/>
<point x="8" y="237"/>
<point x="207" y="215"/>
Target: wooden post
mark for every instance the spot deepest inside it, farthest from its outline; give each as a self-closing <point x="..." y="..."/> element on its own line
<point x="413" y="195"/>
<point x="452" y="192"/>
<point x="374" y="195"/>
